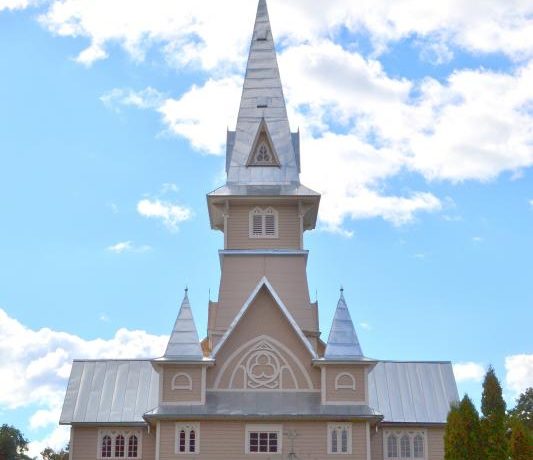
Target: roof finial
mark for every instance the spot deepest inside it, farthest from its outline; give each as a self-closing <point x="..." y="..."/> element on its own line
<point x="342" y="289"/>
<point x="186" y="289"/>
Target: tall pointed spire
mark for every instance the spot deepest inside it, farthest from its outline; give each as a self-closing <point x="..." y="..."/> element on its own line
<point x="262" y="123"/>
<point x="342" y="340"/>
<point x="183" y="343"/>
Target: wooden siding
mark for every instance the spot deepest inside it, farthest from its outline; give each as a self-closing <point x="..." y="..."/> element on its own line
<point x="263" y="317"/>
<point x="85" y="442"/>
<point x="240" y="276"/>
<point x="221" y="440"/>
<point x="288" y="229"/>
<point x="434" y="440"/>
<point x="333" y="395"/>
<point x="170" y="395"/>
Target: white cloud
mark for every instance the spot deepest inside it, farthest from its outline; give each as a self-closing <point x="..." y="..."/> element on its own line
<point x="148" y="98"/>
<point x="531" y="203"/>
<point x="169" y="213"/>
<point x="209" y="34"/>
<point x="127" y="246"/>
<point x="16" y="4"/>
<point x="39" y="362"/>
<point x="519" y="372"/>
<point x="468" y="371"/>
<point x="365" y="326"/>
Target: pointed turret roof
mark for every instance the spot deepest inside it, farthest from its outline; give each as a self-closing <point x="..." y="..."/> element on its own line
<point x="342" y="340"/>
<point x="183" y="343"/>
<point x="262" y="113"/>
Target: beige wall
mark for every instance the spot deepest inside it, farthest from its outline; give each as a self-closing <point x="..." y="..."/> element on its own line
<point x="226" y="440"/>
<point x="263" y="317"/>
<point x="357" y="372"/>
<point x="288" y="229"/>
<point x="85" y="443"/>
<point x="434" y="440"/>
<point x="240" y="276"/>
<point x="177" y="395"/>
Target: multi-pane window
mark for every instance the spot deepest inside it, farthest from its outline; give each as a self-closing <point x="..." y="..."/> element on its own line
<point x="340" y="438"/>
<point x="263" y="439"/>
<point x="263" y="223"/>
<point x="404" y="444"/>
<point x="113" y="444"/>
<point x="187" y="438"/>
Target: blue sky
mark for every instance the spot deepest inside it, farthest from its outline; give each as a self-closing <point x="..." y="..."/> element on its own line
<point x="416" y="128"/>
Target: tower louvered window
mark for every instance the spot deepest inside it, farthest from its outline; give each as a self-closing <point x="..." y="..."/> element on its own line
<point x="263" y="223"/>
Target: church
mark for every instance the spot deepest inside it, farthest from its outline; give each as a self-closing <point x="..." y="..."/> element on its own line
<point x="262" y="384"/>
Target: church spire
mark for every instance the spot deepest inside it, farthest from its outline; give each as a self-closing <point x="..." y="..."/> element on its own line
<point x="262" y="150"/>
<point x="183" y="343"/>
<point x="342" y="340"/>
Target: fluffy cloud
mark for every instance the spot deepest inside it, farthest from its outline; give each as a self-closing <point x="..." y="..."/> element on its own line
<point x="40" y="360"/>
<point x="127" y="246"/>
<point x="16" y="4"/>
<point x="468" y="371"/>
<point x="209" y="34"/>
<point x="519" y="372"/>
<point x="169" y="213"/>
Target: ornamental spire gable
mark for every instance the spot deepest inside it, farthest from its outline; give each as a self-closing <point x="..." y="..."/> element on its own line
<point x="183" y="343"/>
<point x="342" y="341"/>
<point x="262" y="150"/>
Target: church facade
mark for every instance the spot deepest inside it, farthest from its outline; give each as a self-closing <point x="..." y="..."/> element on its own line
<point x="262" y="384"/>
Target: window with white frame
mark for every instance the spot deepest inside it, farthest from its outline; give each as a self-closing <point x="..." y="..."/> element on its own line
<point x="263" y="439"/>
<point x="187" y="438"/>
<point x="339" y="438"/>
<point x="398" y="444"/>
<point x="119" y="444"/>
<point x="263" y="223"/>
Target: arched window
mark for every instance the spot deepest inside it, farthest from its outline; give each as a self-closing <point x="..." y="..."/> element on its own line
<point x="263" y="223"/>
<point x="133" y="446"/>
<point x="405" y="446"/>
<point x="119" y="446"/>
<point x="418" y="446"/>
<point x="392" y="446"/>
<point x="344" y="381"/>
<point x="106" y="446"/>
<point x="187" y="438"/>
<point x="340" y="439"/>
<point x="181" y="381"/>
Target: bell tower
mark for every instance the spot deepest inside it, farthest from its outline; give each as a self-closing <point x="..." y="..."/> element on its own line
<point x="263" y="209"/>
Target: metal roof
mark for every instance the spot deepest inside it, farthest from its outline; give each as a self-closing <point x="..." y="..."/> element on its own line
<point x="183" y="342"/>
<point x="412" y="392"/>
<point x="273" y="405"/>
<point x="262" y="103"/>
<point x="264" y="190"/>
<point x="110" y="391"/>
<point x="120" y="391"/>
<point x="342" y="341"/>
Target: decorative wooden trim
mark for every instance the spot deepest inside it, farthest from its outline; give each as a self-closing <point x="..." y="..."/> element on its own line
<point x="339" y="386"/>
<point x="176" y="386"/>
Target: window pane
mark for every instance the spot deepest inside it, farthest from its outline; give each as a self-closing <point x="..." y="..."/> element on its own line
<point x="418" y="446"/>
<point x="254" y="442"/>
<point x="334" y="441"/>
<point x="263" y="442"/>
<point x="132" y="446"/>
<point x="192" y="441"/>
<point x="119" y="446"/>
<point x="106" y="446"/>
<point x="273" y="442"/>
<point x="392" y="446"/>
<point x="182" y="441"/>
<point x="405" y="447"/>
<point x="344" y="443"/>
<point x="270" y="225"/>
<point x="257" y="225"/>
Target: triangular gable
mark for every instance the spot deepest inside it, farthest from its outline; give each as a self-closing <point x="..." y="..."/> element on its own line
<point x="264" y="282"/>
<point x="263" y="152"/>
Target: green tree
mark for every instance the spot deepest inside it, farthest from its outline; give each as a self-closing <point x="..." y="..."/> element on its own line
<point x="523" y="410"/>
<point x="493" y="422"/>
<point x="521" y="442"/>
<point x="462" y="435"/>
<point x="51" y="454"/>
<point x="13" y="444"/>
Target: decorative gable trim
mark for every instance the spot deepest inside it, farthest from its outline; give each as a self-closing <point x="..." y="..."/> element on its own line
<point x="264" y="282"/>
<point x="263" y="152"/>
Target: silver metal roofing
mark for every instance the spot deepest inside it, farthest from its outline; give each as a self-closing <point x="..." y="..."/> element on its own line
<point x="412" y="392"/>
<point x="110" y="391"/>
<point x="265" y="405"/>
<point x="183" y="342"/>
<point x="264" y="190"/>
<point x="343" y="343"/>
<point x="262" y="100"/>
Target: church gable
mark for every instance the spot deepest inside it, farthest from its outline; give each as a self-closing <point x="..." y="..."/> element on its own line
<point x="263" y="351"/>
<point x="263" y="152"/>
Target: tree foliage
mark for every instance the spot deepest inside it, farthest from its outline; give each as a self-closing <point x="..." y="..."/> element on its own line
<point x="13" y="444"/>
<point x="462" y="436"/>
<point x="51" y="454"/>
<point x="523" y="410"/>
<point x="493" y="422"/>
<point x="521" y="441"/>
